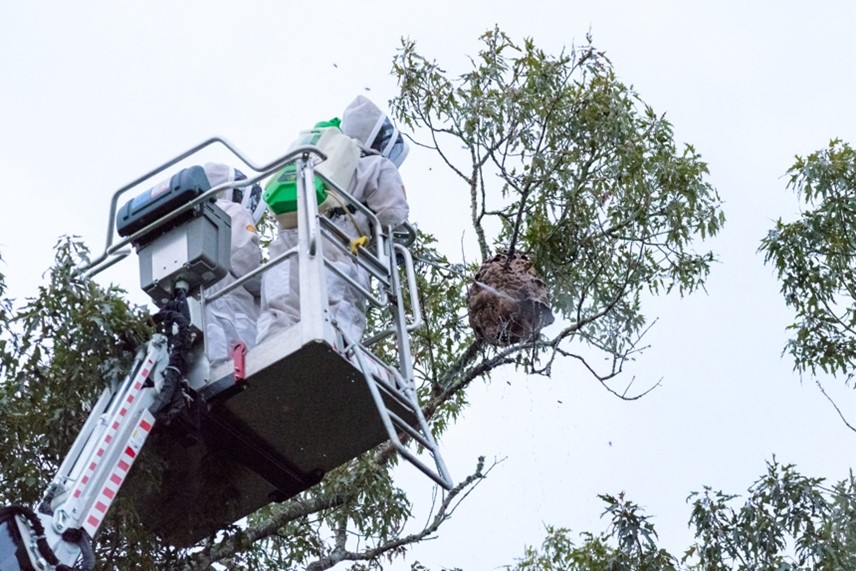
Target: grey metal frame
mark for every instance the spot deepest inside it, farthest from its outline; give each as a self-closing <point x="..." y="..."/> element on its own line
<point x="315" y="230"/>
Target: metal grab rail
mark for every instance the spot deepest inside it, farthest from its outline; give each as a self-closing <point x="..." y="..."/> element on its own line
<point x="238" y="282"/>
<point x="364" y="258"/>
<point x="395" y="425"/>
<point x="382" y="260"/>
<point x="415" y="304"/>
<point x="374" y="223"/>
<point x="412" y="288"/>
<point x="98" y="264"/>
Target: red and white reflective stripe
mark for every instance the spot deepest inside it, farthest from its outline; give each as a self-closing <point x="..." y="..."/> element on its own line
<point x="118" y="474"/>
<point x="110" y="433"/>
<point x="99" y="453"/>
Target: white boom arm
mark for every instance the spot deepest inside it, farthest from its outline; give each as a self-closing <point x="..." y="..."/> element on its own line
<point x="99" y="460"/>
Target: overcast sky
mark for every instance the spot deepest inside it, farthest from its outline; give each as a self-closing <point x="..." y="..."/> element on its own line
<point x="94" y="94"/>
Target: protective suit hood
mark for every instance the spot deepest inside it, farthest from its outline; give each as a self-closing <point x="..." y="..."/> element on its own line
<point x="248" y="197"/>
<point x="365" y="122"/>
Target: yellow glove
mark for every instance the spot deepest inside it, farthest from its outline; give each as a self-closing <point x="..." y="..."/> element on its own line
<point x="357" y="242"/>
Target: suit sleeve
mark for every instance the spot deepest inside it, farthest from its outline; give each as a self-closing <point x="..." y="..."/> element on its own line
<point x="385" y="195"/>
<point x="246" y="255"/>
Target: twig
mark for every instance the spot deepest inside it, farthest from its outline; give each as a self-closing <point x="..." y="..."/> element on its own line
<point x="835" y="406"/>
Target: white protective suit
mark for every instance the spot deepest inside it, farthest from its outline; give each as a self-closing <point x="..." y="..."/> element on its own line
<point x="232" y="318"/>
<point x="377" y="184"/>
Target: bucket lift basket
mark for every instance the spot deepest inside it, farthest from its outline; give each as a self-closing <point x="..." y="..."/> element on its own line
<point x="302" y="402"/>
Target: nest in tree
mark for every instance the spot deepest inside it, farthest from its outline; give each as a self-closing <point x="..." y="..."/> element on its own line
<point x="507" y="301"/>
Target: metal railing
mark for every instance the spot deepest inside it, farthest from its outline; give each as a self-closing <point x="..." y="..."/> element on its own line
<point x="387" y="248"/>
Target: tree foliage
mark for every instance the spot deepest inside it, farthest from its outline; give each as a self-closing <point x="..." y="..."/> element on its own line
<point x="564" y="162"/>
<point x="59" y="350"/>
<point x="629" y="543"/>
<point x="561" y="161"/>
<point x="785" y="522"/>
<point x="815" y="259"/>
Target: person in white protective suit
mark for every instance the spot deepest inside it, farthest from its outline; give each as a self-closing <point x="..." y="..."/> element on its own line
<point x="375" y="183"/>
<point x="232" y="318"/>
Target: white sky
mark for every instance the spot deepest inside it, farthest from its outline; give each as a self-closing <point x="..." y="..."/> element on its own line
<point x="95" y="94"/>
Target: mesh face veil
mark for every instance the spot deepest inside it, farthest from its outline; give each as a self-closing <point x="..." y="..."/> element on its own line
<point x="366" y="123"/>
<point x="389" y="142"/>
<point x="249" y="197"/>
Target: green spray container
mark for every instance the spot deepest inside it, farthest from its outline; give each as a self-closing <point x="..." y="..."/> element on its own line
<point x="281" y="191"/>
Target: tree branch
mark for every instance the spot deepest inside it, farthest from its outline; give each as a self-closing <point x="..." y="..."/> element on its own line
<point x="238" y="541"/>
<point x="444" y="512"/>
<point x="835" y="406"/>
<point x="474" y="210"/>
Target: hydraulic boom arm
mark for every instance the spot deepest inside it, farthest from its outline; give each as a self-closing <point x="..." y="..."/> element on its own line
<point x="83" y="489"/>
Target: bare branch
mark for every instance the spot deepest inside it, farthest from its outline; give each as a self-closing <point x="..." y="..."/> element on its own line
<point x="835" y="406"/>
<point x="447" y="507"/>
<point x="237" y="542"/>
<point x="475" y="180"/>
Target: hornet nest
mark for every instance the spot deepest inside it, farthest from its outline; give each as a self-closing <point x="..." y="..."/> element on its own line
<point x="507" y="300"/>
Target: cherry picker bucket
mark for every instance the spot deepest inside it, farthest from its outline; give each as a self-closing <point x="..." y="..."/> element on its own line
<point x="300" y="403"/>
